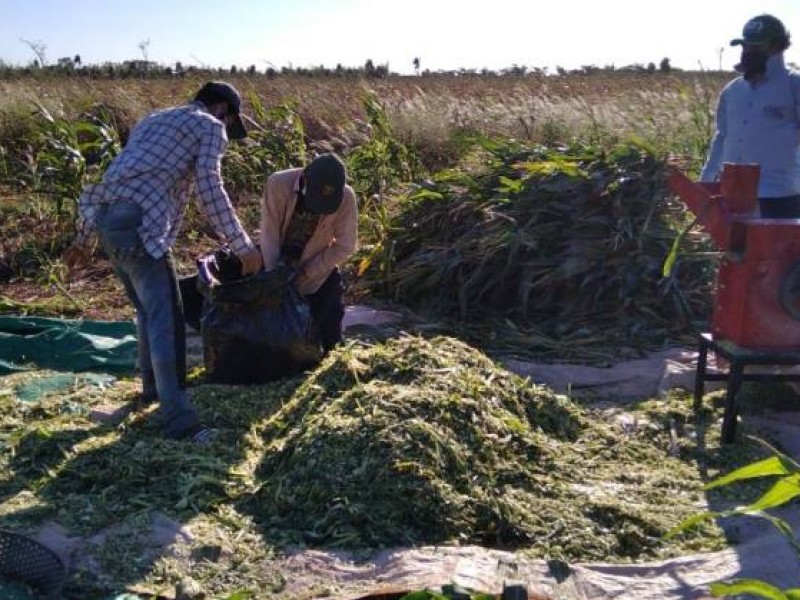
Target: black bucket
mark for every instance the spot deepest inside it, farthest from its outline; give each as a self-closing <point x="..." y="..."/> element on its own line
<point x="26" y="561"/>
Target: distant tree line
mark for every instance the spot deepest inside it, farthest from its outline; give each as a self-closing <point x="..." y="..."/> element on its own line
<point x="140" y="68"/>
<point x="145" y="69"/>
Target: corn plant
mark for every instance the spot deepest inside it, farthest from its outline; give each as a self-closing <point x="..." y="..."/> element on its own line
<point x="382" y="161"/>
<point x="785" y="489"/>
<point x="375" y="166"/>
<point x="275" y="141"/>
<point x="68" y="154"/>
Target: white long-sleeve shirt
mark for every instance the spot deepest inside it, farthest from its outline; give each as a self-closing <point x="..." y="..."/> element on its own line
<point x="760" y="123"/>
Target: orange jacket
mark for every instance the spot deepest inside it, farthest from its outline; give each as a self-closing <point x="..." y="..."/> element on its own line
<point x="333" y="241"/>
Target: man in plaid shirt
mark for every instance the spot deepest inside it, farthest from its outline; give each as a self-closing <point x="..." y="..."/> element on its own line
<point x="137" y="210"/>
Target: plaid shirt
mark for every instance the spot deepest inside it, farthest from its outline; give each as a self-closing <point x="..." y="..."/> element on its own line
<point x="166" y="151"/>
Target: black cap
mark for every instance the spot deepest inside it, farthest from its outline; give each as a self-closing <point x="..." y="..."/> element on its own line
<point x="219" y="91"/>
<point x="762" y="30"/>
<point x="324" y="184"/>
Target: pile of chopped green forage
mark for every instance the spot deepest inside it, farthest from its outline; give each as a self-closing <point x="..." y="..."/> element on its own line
<point x="405" y="442"/>
<point x="420" y="442"/>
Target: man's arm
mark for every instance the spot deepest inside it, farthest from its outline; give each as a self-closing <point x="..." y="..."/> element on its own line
<point x="344" y="243"/>
<point x="212" y="197"/>
<point x="271" y="221"/>
<point x="713" y="166"/>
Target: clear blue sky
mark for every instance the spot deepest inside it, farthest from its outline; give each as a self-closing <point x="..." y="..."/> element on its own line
<point x="444" y="34"/>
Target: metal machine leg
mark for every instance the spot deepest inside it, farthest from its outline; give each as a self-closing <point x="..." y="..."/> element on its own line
<point x="729" y="419"/>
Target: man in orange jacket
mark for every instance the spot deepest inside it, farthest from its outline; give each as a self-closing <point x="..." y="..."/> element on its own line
<point x="309" y="220"/>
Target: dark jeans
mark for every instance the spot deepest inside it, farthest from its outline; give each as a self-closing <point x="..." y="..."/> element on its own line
<point x="787" y="207"/>
<point x="327" y="310"/>
<point x="152" y="287"/>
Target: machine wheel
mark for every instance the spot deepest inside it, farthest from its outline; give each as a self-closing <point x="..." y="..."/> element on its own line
<point x="790" y="291"/>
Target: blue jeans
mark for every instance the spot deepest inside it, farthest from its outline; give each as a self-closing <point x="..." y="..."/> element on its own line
<point x="152" y="287"/>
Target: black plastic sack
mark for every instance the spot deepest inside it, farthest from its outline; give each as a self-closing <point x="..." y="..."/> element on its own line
<point x="255" y="329"/>
<point x="192" y="300"/>
<point x="224" y="266"/>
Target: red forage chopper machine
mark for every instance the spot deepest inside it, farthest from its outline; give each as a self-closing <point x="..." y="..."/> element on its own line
<point x="757" y="303"/>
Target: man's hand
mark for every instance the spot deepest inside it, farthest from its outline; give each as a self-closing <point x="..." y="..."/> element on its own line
<point x="251" y="261"/>
<point x="76" y="257"/>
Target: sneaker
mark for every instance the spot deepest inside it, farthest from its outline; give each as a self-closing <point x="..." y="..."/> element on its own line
<point x="202" y="436"/>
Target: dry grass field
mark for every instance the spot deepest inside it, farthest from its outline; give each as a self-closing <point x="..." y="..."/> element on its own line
<point x="669" y="111"/>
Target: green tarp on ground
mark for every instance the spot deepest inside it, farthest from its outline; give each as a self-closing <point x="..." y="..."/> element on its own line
<point x="15" y="591"/>
<point x="38" y="387"/>
<point x="66" y="345"/>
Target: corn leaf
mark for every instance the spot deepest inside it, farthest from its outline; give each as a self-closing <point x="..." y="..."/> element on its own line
<point x="672" y="257"/>
<point x="775" y="465"/>
<point x="424" y="194"/>
<point x="241" y="595"/>
<point x="779" y="494"/>
<point x="755" y="587"/>
<point x="691" y="522"/>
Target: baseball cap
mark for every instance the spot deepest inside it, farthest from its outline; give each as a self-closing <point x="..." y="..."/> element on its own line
<point x="324" y="184"/>
<point x="220" y="91"/>
<point x="761" y="31"/>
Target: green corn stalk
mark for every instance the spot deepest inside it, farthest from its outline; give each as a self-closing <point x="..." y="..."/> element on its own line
<point x="70" y="154"/>
<point x="784" y="490"/>
<point x="374" y="167"/>
<point x="382" y="161"/>
<point x="672" y="257"/>
<point x="275" y="142"/>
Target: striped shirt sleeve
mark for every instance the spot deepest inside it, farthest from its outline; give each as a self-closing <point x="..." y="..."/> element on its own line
<point x="211" y="193"/>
